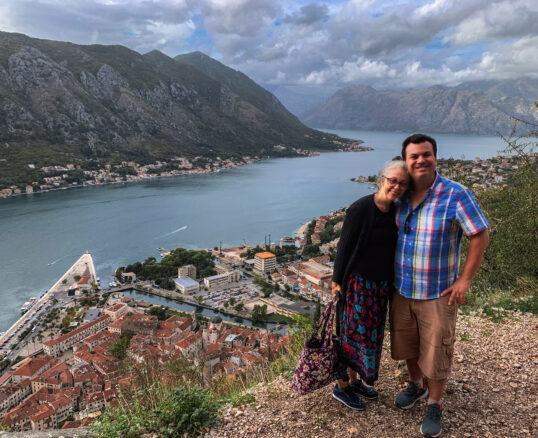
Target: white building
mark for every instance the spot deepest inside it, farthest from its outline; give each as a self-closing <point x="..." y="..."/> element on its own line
<point x="186" y="285"/>
<point x="215" y="281"/>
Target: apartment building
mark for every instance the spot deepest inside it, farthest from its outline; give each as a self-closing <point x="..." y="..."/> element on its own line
<point x="55" y="347"/>
<point x="264" y="262"/>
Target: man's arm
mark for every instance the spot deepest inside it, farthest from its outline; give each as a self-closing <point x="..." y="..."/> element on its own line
<point x="477" y="246"/>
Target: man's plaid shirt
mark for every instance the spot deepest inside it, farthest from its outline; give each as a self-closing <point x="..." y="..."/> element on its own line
<point x="429" y="238"/>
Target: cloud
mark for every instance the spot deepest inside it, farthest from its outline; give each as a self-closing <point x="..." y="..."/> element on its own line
<point x="384" y="43"/>
<point x="307" y="15"/>
<point x="140" y="25"/>
<point x="501" y="19"/>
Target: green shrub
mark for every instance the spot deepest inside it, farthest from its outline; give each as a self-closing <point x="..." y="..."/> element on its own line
<point x="511" y="259"/>
<point x="182" y="410"/>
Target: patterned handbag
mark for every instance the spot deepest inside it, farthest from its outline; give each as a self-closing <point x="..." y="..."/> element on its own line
<point x="315" y="366"/>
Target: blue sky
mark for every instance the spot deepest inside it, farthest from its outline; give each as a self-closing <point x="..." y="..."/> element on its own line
<point x="301" y="43"/>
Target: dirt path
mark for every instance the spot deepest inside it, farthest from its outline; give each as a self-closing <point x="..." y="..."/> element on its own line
<point x="493" y="392"/>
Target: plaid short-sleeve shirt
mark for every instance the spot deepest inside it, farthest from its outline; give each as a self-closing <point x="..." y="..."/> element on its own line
<point x="429" y="238"/>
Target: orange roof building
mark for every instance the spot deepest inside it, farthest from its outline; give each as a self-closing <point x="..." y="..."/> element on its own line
<point x="264" y="262"/>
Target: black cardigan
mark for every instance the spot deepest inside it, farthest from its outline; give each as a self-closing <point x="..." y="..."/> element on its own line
<point x="360" y="217"/>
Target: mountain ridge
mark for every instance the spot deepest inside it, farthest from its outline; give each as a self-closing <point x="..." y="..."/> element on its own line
<point x="62" y="102"/>
<point x="483" y="108"/>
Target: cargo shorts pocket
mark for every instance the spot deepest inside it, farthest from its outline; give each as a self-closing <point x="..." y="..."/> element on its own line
<point x="447" y="351"/>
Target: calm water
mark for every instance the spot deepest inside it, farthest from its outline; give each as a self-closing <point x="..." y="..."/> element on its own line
<point x="185" y="307"/>
<point x="120" y="224"/>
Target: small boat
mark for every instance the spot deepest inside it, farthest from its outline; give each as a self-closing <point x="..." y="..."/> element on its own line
<point x="162" y="249"/>
<point x="28" y="304"/>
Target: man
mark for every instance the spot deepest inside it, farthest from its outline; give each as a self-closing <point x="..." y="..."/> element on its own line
<point x="431" y="220"/>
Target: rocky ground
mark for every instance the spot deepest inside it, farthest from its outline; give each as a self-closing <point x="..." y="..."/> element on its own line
<point x="493" y="392"/>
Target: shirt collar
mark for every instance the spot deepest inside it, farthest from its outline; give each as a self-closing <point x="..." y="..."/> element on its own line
<point x="436" y="182"/>
<point x="406" y="198"/>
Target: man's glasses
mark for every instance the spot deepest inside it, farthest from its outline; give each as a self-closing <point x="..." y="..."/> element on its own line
<point x="393" y="181"/>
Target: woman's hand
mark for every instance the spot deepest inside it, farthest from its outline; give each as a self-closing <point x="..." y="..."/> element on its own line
<point x="336" y="289"/>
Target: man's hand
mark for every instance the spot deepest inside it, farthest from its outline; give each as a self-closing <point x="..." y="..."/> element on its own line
<point x="336" y="289"/>
<point x="477" y="246"/>
<point x="457" y="291"/>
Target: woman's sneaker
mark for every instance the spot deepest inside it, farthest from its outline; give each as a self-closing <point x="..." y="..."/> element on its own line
<point x="348" y="397"/>
<point x="407" y="399"/>
<point x="431" y="424"/>
<point x="367" y="392"/>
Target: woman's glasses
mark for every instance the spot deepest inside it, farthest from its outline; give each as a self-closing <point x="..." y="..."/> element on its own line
<point x="393" y="181"/>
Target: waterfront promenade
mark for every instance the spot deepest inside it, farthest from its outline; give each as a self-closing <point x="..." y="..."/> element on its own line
<point x="83" y="266"/>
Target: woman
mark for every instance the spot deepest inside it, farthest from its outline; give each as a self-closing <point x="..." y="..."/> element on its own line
<point x="363" y="275"/>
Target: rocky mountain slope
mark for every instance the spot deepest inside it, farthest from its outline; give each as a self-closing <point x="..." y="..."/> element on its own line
<point x="472" y="108"/>
<point x="62" y="101"/>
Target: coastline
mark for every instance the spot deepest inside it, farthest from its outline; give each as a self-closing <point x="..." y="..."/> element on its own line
<point x="175" y="173"/>
<point x="85" y="262"/>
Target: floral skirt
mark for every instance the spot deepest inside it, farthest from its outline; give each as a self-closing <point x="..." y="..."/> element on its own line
<point x="363" y="326"/>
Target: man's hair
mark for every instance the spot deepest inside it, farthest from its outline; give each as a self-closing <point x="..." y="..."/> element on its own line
<point x="416" y="139"/>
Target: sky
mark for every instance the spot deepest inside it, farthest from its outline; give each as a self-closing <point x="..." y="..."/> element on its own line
<point x="318" y="44"/>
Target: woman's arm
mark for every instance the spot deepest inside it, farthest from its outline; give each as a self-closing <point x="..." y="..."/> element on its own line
<point x="348" y="241"/>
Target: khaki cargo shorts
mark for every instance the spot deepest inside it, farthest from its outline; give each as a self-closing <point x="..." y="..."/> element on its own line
<point x="425" y="329"/>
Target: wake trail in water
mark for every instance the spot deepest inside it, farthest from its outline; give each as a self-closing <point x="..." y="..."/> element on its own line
<point x="173" y="232"/>
<point x="56" y="261"/>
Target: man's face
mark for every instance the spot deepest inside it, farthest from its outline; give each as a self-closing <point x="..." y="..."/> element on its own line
<point x="420" y="160"/>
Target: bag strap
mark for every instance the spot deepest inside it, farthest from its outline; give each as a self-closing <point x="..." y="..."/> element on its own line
<point x="326" y="321"/>
<point x="322" y="321"/>
<point x="328" y="329"/>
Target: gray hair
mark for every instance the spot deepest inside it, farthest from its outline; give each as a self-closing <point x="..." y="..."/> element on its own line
<point x="395" y="163"/>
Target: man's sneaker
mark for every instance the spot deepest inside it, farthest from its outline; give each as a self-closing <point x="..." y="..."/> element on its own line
<point x="361" y="389"/>
<point x="407" y="399"/>
<point x="431" y="424"/>
<point x="349" y="398"/>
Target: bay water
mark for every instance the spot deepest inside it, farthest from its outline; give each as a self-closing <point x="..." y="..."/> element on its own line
<point x="41" y="235"/>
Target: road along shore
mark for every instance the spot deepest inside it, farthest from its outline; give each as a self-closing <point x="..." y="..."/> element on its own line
<point x="80" y="267"/>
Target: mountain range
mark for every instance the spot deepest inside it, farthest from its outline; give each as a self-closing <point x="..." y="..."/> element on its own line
<point x="62" y="102"/>
<point x="479" y="107"/>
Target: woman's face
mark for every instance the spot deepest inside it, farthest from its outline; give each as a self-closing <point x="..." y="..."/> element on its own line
<point x="395" y="183"/>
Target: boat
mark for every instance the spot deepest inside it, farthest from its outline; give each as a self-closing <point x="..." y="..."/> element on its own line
<point x="162" y="249"/>
<point x="27" y="305"/>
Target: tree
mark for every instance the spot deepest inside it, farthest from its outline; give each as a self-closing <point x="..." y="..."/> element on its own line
<point x="232" y="301"/>
<point x="119" y="348"/>
<point x="239" y="307"/>
<point x="310" y="251"/>
<point x="259" y="313"/>
<point x="66" y="321"/>
<point x="159" y="312"/>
